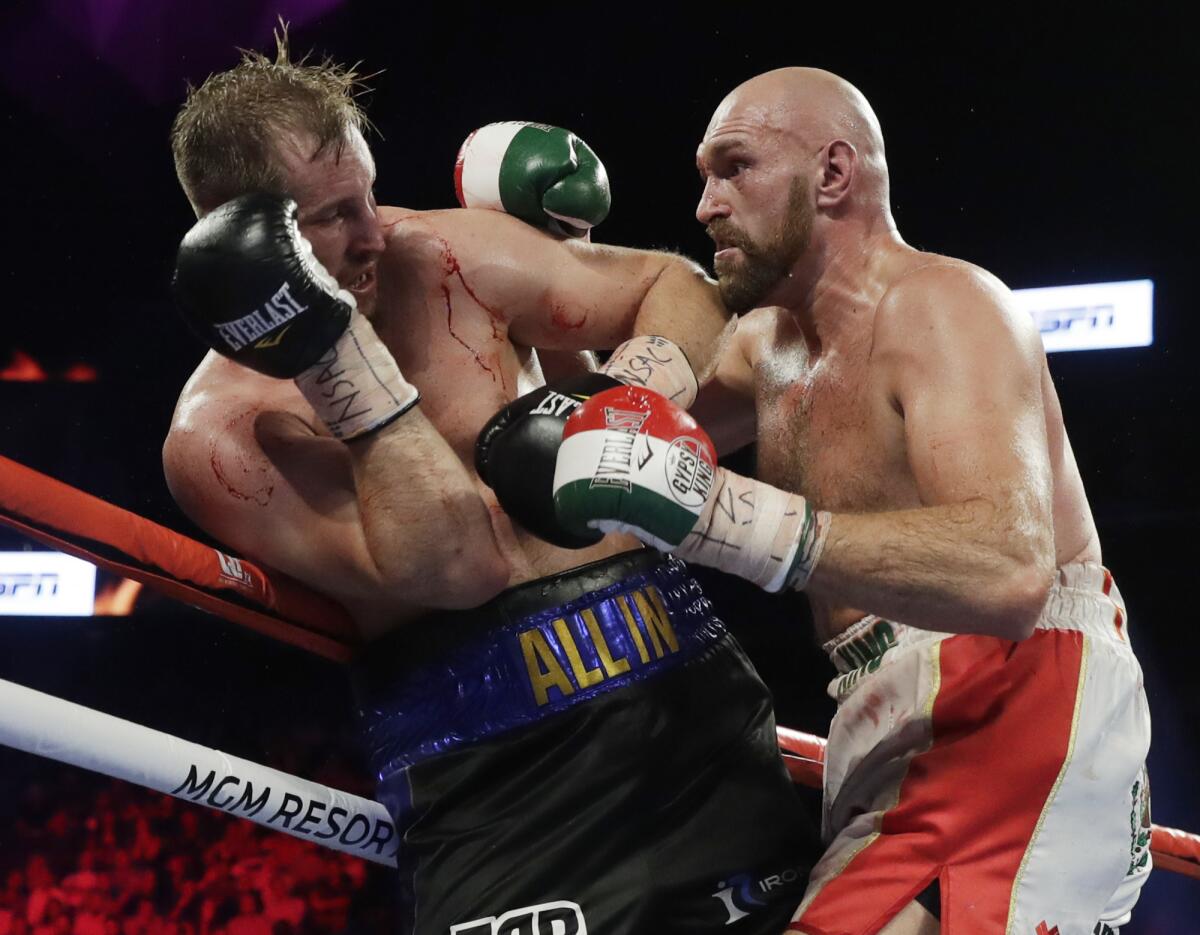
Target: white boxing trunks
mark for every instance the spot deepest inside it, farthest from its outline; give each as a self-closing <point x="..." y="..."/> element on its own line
<point x="1002" y="782"/>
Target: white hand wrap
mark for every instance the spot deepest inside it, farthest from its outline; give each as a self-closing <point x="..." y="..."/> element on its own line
<point x="356" y="387"/>
<point x="656" y="364"/>
<point x="758" y="532"/>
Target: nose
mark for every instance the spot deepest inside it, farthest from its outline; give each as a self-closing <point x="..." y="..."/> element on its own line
<point x="711" y="205"/>
<point x="368" y="236"/>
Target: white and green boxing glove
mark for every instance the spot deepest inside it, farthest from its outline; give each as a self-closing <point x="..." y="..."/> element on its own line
<point x="632" y="461"/>
<point x="544" y="175"/>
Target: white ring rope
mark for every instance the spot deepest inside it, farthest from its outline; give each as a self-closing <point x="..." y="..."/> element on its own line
<point x="70" y="733"/>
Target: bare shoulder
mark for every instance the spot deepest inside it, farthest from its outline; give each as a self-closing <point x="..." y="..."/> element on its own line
<point x="431" y="250"/>
<point x="218" y="387"/>
<point x="204" y="397"/>
<point x="938" y="301"/>
<point x="412" y="236"/>
<point x="212" y="449"/>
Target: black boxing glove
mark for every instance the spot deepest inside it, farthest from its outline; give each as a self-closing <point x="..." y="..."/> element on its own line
<point x="516" y="452"/>
<point x="247" y="283"/>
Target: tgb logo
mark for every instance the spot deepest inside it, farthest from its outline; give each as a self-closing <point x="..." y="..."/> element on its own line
<point x="556" y="918"/>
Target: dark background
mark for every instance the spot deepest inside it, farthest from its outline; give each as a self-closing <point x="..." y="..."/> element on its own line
<point x="1050" y="148"/>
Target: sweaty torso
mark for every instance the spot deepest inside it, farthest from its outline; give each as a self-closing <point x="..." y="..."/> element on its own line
<point x="449" y="340"/>
<point x="830" y="429"/>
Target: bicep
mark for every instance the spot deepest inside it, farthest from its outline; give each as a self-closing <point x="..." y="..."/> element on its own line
<point x="581" y="295"/>
<point x="551" y="293"/>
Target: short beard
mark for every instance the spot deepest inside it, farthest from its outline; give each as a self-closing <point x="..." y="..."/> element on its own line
<point x="744" y="286"/>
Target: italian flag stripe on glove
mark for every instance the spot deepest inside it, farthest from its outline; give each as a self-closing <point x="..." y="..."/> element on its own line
<point x="633" y="461"/>
<point x="544" y="175"/>
<point x="477" y="170"/>
<point x="627" y="464"/>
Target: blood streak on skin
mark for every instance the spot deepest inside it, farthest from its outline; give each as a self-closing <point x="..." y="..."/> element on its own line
<point x="260" y="495"/>
<point x="451" y="267"/>
<point x="474" y="353"/>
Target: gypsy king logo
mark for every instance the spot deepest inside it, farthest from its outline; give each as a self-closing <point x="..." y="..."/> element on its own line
<point x="689" y="474"/>
<point x="556" y="918"/>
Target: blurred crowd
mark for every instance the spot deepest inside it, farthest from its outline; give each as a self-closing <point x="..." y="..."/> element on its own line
<point x="118" y="860"/>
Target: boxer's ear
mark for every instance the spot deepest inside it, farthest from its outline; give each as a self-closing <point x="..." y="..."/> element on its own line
<point x="838" y="162"/>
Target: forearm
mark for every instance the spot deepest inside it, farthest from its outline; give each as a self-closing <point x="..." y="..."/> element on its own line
<point x="971" y="567"/>
<point x="683" y="305"/>
<point x="427" y="530"/>
<point x="678" y="335"/>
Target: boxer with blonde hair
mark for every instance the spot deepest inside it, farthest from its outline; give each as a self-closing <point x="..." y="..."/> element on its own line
<point x="565" y="735"/>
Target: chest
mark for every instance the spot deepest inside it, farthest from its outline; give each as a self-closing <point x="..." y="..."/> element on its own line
<point x="829" y="430"/>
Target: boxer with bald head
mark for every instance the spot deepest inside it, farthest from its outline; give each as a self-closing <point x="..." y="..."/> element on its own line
<point x="985" y="767"/>
<point x="566" y="736"/>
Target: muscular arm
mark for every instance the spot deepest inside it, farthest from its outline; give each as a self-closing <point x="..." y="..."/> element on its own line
<point x="574" y="295"/>
<point x="978" y="556"/>
<point x="385" y="524"/>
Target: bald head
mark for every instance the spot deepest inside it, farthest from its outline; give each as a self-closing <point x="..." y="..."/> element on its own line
<point x="793" y="168"/>
<point x="808" y="108"/>
<point x="815" y="105"/>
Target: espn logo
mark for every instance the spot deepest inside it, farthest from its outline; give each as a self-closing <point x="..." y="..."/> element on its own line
<point x="1092" y="316"/>
<point x="46" y="584"/>
<point x="556" y="918"/>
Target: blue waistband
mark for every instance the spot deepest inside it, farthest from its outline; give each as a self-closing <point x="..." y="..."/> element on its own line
<point x="535" y="651"/>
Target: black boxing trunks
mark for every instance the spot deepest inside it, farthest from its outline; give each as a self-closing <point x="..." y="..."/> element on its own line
<point x="589" y="752"/>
